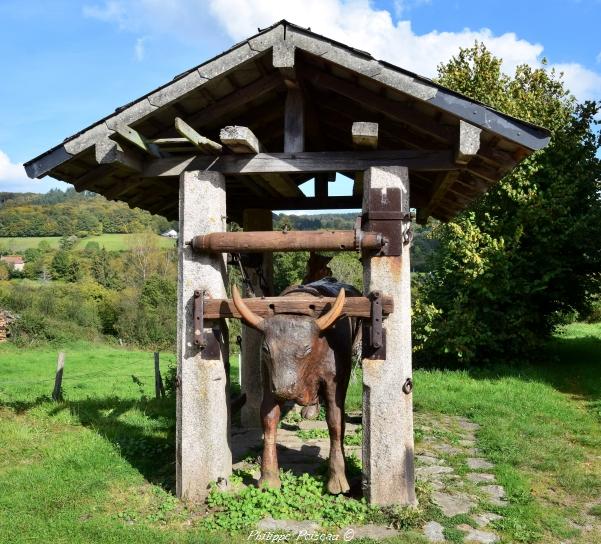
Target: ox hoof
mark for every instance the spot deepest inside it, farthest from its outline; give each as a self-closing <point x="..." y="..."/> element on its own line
<point x="337" y="485"/>
<point x="271" y="481"/>
<point x="310" y="412"/>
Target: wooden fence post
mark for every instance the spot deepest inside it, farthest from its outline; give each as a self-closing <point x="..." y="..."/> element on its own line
<point x="159" y="388"/>
<point x="57" y="394"/>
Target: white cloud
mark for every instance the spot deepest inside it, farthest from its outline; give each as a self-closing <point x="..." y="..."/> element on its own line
<point x="584" y="83"/>
<point x="14" y="178"/>
<point x="354" y="22"/>
<point x="10" y="171"/>
<point x="110" y="11"/>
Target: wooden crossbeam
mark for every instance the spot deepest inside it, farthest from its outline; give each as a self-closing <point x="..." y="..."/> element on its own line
<point x="306" y="162"/>
<point x="132" y="136"/>
<point x="311" y="306"/>
<point x="204" y="145"/>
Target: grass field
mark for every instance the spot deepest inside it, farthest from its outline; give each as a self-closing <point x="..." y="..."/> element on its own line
<point x="111" y="242"/>
<point x="98" y="466"/>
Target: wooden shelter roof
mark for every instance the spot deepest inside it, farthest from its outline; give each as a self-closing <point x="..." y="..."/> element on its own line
<point x="135" y="154"/>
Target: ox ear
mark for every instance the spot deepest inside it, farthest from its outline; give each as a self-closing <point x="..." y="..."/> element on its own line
<point x="327" y="320"/>
<point x="248" y="316"/>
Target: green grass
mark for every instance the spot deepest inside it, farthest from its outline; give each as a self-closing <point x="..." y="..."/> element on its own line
<point x="98" y="466"/>
<point x="111" y="242"/>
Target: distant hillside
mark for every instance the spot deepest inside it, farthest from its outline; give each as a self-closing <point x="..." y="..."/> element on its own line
<point x="334" y="221"/>
<point x="59" y="213"/>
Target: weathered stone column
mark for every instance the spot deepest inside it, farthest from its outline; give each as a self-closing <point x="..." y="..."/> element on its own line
<point x="388" y="472"/>
<point x="253" y="220"/>
<point x="203" y="452"/>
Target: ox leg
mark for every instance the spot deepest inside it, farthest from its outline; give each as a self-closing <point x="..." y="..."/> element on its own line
<point x="270" y="417"/>
<point x="337" y="482"/>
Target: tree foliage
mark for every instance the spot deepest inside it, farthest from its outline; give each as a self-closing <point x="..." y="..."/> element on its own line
<point x="68" y="213"/>
<point x="526" y="255"/>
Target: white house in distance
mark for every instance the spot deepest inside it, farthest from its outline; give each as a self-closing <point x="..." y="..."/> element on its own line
<point x="170" y="234"/>
<point x="16" y="262"/>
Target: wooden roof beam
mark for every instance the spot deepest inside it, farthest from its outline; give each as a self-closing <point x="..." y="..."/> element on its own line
<point x="125" y="134"/>
<point x="204" y="145"/>
<point x="306" y="162"/>
<point x="294" y="121"/>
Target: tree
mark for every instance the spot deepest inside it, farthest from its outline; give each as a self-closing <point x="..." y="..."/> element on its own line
<point x="60" y="265"/>
<point x="524" y="256"/>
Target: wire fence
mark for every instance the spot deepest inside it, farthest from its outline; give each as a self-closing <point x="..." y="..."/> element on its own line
<point x="108" y="371"/>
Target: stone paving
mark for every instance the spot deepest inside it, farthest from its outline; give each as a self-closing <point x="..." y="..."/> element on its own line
<point x="459" y="480"/>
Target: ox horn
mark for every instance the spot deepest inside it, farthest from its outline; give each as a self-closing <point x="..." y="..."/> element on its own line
<point x="328" y="319"/>
<point x="251" y="319"/>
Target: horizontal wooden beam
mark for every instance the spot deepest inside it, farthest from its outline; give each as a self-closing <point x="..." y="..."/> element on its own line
<point x="310" y="162"/>
<point x="303" y="305"/>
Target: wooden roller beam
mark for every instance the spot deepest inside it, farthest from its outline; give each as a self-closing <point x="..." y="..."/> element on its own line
<point x="294" y="304"/>
<point x="262" y="241"/>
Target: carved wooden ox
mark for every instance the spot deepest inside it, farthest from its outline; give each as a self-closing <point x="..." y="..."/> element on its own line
<point x="304" y="358"/>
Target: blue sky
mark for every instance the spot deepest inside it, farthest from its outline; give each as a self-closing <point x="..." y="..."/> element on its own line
<point x="65" y="63"/>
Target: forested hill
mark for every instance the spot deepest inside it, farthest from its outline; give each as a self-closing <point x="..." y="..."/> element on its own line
<point x="59" y="213"/>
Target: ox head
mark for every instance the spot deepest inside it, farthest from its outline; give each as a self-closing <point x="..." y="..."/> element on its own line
<point x="293" y="346"/>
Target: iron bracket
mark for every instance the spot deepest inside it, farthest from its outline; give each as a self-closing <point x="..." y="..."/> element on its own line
<point x="374" y="334"/>
<point x="385" y="215"/>
<point x="209" y="345"/>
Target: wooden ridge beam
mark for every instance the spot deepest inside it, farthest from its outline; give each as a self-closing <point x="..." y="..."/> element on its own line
<point x="304" y="305"/>
<point x="306" y="162"/>
<point x="204" y="145"/>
